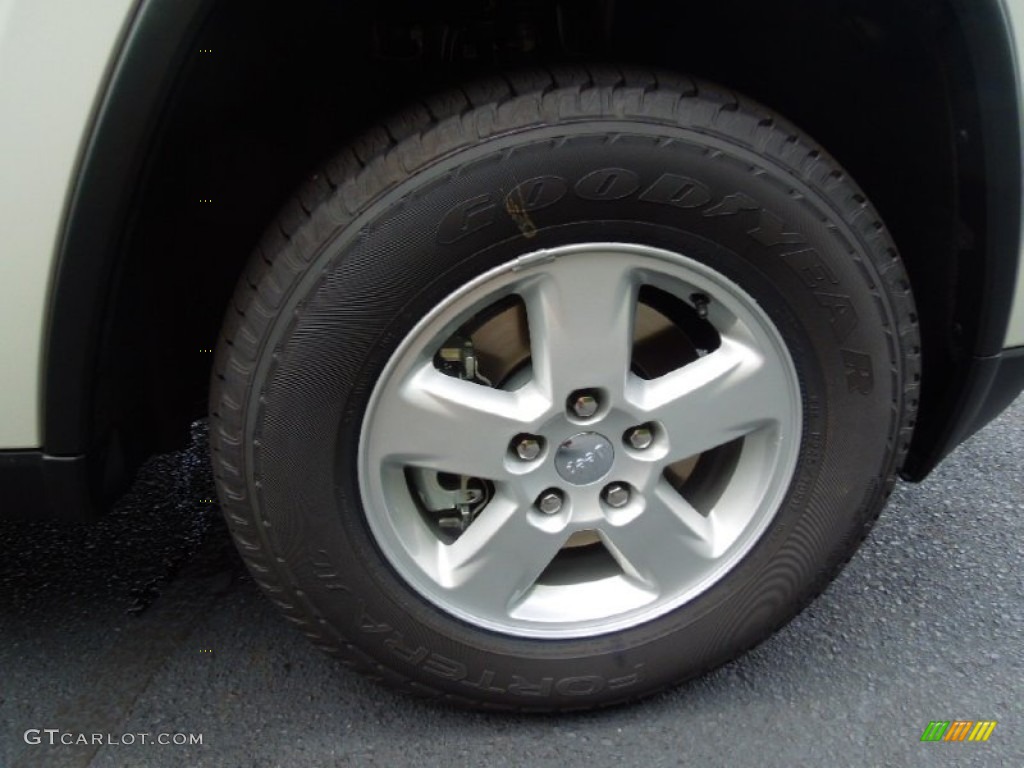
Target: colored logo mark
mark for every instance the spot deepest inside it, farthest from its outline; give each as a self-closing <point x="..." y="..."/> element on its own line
<point x="958" y="730"/>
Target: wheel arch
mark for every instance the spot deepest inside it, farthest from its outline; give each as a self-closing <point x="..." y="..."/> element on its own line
<point x="103" y="394"/>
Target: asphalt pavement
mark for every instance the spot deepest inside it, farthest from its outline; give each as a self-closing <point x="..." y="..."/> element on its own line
<point x="147" y="623"/>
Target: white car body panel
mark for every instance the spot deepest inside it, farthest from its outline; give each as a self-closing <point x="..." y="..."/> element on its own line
<point x="54" y="56"/>
<point x="1015" y="329"/>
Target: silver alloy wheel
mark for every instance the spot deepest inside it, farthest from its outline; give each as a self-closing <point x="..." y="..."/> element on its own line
<point x="580" y="304"/>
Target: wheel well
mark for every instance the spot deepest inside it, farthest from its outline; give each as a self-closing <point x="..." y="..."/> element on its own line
<point x="262" y="97"/>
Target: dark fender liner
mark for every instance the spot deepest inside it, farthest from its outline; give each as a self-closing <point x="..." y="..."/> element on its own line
<point x="992" y="384"/>
<point x="989" y="380"/>
<point x="111" y="167"/>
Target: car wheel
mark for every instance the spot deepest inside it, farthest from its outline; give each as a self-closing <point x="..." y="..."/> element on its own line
<point x="563" y="388"/>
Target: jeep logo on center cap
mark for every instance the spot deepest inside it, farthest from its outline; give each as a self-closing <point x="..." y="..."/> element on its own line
<point x="584" y="458"/>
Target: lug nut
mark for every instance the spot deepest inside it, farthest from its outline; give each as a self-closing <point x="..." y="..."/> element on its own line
<point x="640" y="437"/>
<point x="527" y="448"/>
<point x="584" y="405"/>
<point x="616" y="495"/>
<point x="550" y="502"/>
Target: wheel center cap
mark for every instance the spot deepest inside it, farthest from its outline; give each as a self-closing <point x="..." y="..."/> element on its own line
<point x="584" y="458"/>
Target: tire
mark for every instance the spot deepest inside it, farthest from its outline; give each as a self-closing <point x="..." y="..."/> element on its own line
<point x="572" y="211"/>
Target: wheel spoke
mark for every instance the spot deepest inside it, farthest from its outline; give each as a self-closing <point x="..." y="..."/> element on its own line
<point x="580" y="314"/>
<point x="715" y="399"/>
<point x="443" y="423"/>
<point x="499" y="557"/>
<point x="665" y="545"/>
